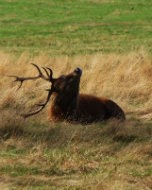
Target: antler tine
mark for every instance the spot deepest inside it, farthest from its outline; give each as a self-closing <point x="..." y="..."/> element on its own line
<point x="48" y="97"/>
<point x="46" y="72"/>
<point x="42" y="106"/>
<point x="18" y="79"/>
<point x="51" y="74"/>
<point x="40" y="72"/>
<point x="21" y="82"/>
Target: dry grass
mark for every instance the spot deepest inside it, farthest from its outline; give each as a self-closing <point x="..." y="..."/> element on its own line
<point x="37" y="154"/>
<point x="123" y="78"/>
<point x="62" y="156"/>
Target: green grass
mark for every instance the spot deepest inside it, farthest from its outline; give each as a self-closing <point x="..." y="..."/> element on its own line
<point x="74" y="27"/>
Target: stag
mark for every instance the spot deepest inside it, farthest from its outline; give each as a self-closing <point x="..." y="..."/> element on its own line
<point x="68" y="104"/>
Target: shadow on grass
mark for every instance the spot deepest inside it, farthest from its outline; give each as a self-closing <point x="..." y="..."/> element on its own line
<point x="59" y="134"/>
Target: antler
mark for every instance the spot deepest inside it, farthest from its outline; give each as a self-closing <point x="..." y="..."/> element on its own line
<point x="49" y="78"/>
<point x="42" y="106"/>
<point x="40" y="75"/>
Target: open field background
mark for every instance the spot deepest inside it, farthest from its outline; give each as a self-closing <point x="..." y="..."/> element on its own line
<point x="72" y="27"/>
<point x="111" y="41"/>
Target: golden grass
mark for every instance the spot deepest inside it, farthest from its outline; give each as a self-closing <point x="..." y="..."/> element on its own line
<point x="124" y="78"/>
<point x="37" y="154"/>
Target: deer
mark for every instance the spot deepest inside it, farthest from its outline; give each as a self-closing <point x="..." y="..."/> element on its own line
<point x="70" y="105"/>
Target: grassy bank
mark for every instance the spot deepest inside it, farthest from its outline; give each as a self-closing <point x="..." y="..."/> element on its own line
<point x="74" y="27"/>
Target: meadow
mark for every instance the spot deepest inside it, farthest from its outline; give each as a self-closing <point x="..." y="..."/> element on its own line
<point x="39" y="154"/>
<point x="111" y="42"/>
<point x="74" y="27"/>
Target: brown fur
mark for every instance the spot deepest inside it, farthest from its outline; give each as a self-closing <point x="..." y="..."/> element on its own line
<point x="69" y="105"/>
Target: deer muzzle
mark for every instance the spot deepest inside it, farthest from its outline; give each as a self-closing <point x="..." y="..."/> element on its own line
<point x="78" y="71"/>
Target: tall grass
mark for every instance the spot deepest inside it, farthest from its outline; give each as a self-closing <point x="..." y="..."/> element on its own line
<point x="38" y="154"/>
<point x="124" y="78"/>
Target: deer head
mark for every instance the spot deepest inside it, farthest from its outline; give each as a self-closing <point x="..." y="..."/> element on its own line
<point x="67" y="84"/>
<point x="61" y="86"/>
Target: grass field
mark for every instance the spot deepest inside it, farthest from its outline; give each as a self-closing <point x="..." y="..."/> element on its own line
<point x="38" y="154"/>
<point x="72" y="27"/>
<point x="111" y="41"/>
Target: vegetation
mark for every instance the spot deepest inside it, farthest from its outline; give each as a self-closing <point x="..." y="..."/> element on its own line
<point x="61" y="156"/>
<point x="111" y="41"/>
<point x="39" y="154"/>
<point x="74" y="27"/>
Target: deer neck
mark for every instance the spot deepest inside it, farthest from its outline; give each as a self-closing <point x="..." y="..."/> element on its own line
<point x="67" y="103"/>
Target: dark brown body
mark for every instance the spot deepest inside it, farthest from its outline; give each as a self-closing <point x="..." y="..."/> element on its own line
<point x="86" y="109"/>
<point x="91" y="108"/>
<point x="71" y="106"/>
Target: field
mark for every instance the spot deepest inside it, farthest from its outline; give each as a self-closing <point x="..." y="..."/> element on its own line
<point x="111" y="42"/>
<point x="74" y="27"/>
